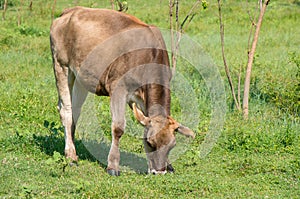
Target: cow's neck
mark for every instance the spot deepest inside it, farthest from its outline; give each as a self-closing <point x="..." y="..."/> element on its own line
<point x="157" y="100"/>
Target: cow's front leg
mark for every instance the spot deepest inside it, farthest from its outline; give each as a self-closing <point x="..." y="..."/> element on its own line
<point x="114" y="153"/>
<point x="118" y="105"/>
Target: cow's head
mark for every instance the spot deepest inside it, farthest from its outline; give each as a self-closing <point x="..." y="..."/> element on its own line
<point x="159" y="139"/>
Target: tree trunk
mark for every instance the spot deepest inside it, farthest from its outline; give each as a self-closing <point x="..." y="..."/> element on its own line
<point x="112" y="4"/>
<point x="30" y="6"/>
<point x="53" y="10"/>
<point x="227" y="71"/>
<point x="250" y="60"/>
<point x="4" y="9"/>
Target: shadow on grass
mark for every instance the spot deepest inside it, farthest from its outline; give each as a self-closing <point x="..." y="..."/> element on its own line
<point x="91" y="151"/>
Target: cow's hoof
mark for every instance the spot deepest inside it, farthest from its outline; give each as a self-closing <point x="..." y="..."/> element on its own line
<point x="113" y="172"/>
<point x="170" y="169"/>
<point x="72" y="161"/>
<point x="71" y="156"/>
<point x="73" y="164"/>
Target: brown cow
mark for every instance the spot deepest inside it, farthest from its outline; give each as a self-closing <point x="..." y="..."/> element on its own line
<point x="114" y="54"/>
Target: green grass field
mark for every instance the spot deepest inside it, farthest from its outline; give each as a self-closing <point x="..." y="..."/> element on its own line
<point x="258" y="158"/>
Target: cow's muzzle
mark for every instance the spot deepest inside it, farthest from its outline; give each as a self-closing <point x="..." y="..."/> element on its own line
<point x="168" y="169"/>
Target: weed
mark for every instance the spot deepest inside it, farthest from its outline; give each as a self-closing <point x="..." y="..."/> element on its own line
<point x="32" y="31"/>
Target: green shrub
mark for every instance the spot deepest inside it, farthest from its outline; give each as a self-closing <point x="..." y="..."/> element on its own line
<point x="10" y="3"/>
<point x="260" y="135"/>
<point x="32" y="31"/>
<point x="282" y="89"/>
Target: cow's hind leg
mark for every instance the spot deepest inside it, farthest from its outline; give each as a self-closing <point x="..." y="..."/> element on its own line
<point x="64" y="82"/>
<point x="118" y="106"/>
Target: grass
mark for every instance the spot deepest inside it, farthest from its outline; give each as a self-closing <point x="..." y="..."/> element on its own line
<point x="258" y="158"/>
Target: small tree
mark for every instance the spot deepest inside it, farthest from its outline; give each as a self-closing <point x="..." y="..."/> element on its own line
<point x="53" y="10"/>
<point x="263" y="8"/>
<point x="178" y="28"/>
<point x="251" y="52"/>
<point x="4" y="9"/>
<point x="121" y="6"/>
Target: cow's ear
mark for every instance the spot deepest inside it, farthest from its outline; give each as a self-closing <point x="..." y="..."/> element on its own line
<point x="186" y="131"/>
<point x="139" y="115"/>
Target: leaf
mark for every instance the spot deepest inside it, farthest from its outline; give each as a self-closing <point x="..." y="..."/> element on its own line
<point x="204" y="4"/>
<point x="49" y="161"/>
<point x="57" y="156"/>
<point x="46" y="123"/>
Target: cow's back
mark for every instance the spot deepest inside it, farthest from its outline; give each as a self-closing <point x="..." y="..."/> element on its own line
<point x="79" y="30"/>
